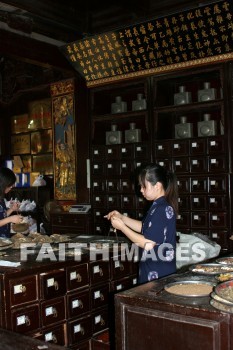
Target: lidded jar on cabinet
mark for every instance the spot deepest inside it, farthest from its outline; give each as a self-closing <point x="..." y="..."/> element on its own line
<point x="118" y="106"/>
<point x="206" y="94"/>
<point x="207" y="127"/>
<point x="133" y="134"/>
<point x="183" y="130"/>
<point x="114" y="136"/>
<point x="182" y="97"/>
<point x="139" y="104"/>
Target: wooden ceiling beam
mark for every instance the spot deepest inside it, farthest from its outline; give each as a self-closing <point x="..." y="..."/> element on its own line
<point x="33" y="51"/>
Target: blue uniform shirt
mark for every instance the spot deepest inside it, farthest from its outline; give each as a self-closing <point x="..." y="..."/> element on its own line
<point x="159" y="226"/>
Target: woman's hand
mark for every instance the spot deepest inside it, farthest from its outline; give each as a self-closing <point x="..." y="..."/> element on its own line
<point x="117" y="222"/>
<point x="16" y="219"/>
<point x="114" y="213"/>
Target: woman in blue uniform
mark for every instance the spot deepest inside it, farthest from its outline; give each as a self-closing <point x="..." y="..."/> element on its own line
<point x="156" y="234"/>
<point x="7" y="181"/>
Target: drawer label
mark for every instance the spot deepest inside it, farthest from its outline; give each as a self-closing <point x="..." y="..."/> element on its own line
<point x="75" y="303"/>
<point x="21" y="320"/>
<point x="97" y="319"/>
<point x="49" y="311"/>
<point x="117" y="264"/>
<point x="97" y="294"/>
<point x="50" y="282"/>
<point x="18" y="289"/>
<point x="48" y="336"/>
<point x="77" y="328"/>
<point x="73" y="275"/>
<point x="96" y="269"/>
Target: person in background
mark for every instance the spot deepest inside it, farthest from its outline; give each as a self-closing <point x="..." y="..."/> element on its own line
<point x="7" y="181"/>
<point x="156" y="233"/>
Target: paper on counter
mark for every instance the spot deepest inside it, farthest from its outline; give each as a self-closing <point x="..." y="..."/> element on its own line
<point x="9" y="263"/>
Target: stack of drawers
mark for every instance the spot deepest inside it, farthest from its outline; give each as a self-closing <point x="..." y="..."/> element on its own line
<point x="202" y="167"/>
<point x="65" y="303"/>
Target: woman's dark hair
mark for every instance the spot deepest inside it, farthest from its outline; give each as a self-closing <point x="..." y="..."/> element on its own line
<point x="7" y="179"/>
<point x="154" y="173"/>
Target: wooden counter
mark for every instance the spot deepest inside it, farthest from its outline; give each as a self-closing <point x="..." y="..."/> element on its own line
<point x="66" y="301"/>
<point x="149" y="317"/>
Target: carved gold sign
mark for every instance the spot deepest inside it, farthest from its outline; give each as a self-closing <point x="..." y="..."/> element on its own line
<point x="190" y="37"/>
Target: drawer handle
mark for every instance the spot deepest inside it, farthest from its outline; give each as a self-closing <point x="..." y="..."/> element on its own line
<point x="122" y="267"/>
<point x="82" y="330"/>
<point x="79" y="277"/>
<point x="101" y="272"/>
<point x="80" y="304"/>
<point x="54" y="312"/>
<point x="101" y="296"/>
<point x="54" y="338"/>
<point x="56" y="285"/>
<point x="27" y="321"/>
<point x="102" y="322"/>
<point x="24" y="288"/>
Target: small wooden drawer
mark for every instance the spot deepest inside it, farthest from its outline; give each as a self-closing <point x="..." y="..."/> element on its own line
<point x="163" y="149"/>
<point x="198" y="164"/>
<point x="127" y="151"/>
<point x="198" y="202"/>
<point x="198" y="146"/>
<point x="53" y="311"/>
<point x="26" y="319"/>
<point x="180" y="148"/>
<point x="99" y="320"/>
<point x="218" y="220"/>
<point x="84" y="345"/>
<point x="99" y="271"/>
<point x="98" y="153"/>
<point x="119" y="268"/>
<point x="77" y="276"/>
<point x="217" y="184"/>
<point x="112" y="152"/>
<point x="141" y="151"/>
<point x="101" y="341"/>
<point x="79" y="330"/>
<point x="218" y="163"/>
<point x="218" y="202"/>
<point x="216" y="145"/>
<point x="23" y="290"/>
<point x="99" y="296"/>
<point x="53" y="284"/>
<point x="55" y="334"/>
<point x="181" y="165"/>
<point x="199" y="219"/>
<point x="124" y="283"/>
<point x="78" y="303"/>
<point x="112" y="185"/>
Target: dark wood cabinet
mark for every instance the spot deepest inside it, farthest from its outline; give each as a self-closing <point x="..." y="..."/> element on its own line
<point x="201" y="158"/>
<point x="65" y="222"/>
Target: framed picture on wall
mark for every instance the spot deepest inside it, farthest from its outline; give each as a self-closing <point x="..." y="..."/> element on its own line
<point x="40" y="114"/>
<point x="19" y="123"/>
<point x="43" y="164"/>
<point x="27" y="163"/>
<point x="20" y="144"/>
<point x="41" y="141"/>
